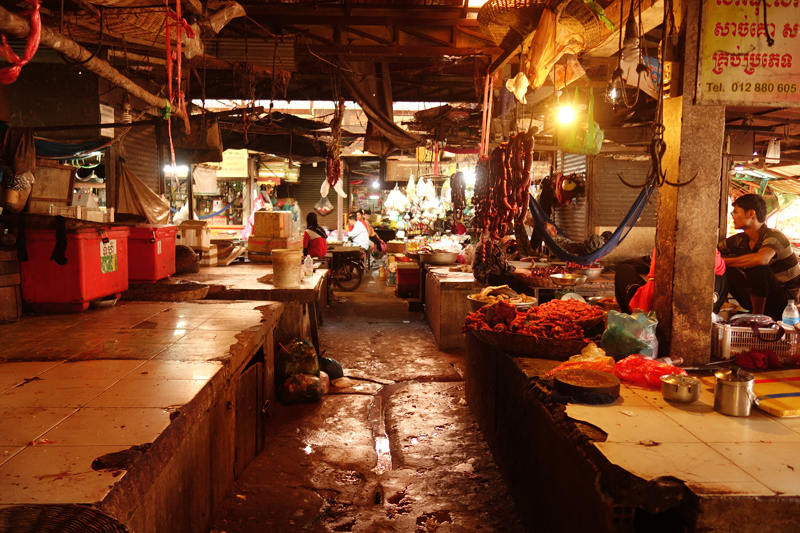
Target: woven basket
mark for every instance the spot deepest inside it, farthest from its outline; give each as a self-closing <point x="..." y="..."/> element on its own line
<point x="510" y="19"/>
<point x="545" y="283"/>
<point x="531" y="346"/>
<point x="57" y="519"/>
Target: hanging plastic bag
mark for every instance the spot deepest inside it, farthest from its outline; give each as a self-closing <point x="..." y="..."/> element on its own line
<point x="630" y="334"/>
<point x="323" y="206"/>
<point x="581" y="137"/>
<point x="229" y="11"/>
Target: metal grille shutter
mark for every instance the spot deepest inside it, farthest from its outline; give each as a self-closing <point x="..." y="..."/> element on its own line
<point x="141" y="155"/>
<point x="572" y="218"/>
<point x="307" y="193"/>
<point x="612" y="199"/>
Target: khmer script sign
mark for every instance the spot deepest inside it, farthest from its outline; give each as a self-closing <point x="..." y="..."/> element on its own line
<point x="747" y="58"/>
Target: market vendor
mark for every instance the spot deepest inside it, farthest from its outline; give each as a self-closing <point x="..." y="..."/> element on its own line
<point x="358" y="232"/>
<point x="315" y="241"/>
<point x="490" y="266"/>
<point x="762" y="270"/>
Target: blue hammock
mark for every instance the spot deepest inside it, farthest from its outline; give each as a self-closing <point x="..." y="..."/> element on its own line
<point x="630" y="219"/>
<point x="203" y="217"/>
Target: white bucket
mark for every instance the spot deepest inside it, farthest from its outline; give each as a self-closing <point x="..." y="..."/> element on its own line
<point x="286" y="268"/>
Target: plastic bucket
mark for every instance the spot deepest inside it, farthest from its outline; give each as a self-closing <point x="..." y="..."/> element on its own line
<point x="286" y="268"/>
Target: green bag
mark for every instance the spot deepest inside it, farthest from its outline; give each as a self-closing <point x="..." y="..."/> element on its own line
<point x="581" y="138"/>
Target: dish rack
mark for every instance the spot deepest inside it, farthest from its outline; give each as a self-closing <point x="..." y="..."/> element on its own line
<point x="729" y="341"/>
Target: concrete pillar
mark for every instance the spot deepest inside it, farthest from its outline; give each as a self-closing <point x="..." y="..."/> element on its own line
<point x="688" y="216"/>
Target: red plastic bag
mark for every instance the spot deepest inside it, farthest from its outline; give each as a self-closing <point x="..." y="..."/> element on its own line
<point x="10" y="73"/>
<point x="641" y="370"/>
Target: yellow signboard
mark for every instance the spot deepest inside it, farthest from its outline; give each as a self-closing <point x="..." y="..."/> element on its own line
<point x="738" y="66"/>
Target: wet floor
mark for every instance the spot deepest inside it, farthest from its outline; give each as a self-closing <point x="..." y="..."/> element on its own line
<point x="397" y="450"/>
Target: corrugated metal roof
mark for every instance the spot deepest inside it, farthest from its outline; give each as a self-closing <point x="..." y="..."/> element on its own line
<point x="258" y="51"/>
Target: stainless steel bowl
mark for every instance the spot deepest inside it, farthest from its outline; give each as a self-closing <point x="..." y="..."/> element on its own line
<point x="680" y="389"/>
<point x="590" y="273"/>
<point x="438" y="258"/>
<point x="568" y="279"/>
<point x="595" y="300"/>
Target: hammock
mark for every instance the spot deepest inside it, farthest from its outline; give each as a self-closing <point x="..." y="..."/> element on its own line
<point x="630" y="219"/>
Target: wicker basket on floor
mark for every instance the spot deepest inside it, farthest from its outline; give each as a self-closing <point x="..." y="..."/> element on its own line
<point x="57" y="519"/>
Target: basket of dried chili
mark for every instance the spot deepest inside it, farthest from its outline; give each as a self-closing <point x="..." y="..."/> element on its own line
<point x="531" y="345"/>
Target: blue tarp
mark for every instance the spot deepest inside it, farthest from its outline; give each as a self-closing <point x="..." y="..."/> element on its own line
<point x="48" y="149"/>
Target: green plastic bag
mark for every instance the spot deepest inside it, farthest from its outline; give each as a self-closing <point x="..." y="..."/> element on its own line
<point x="630" y="334"/>
<point x="300" y="388"/>
<point x="296" y="357"/>
<point x="581" y="137"/>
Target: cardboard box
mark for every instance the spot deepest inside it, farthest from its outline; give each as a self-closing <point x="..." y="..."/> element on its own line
<point x="93" y="214"/>
<point x="273" y="224"/>
<point x="209" y="258"/>
<point x="260" y="248"/>
<point x="195" y="234"/>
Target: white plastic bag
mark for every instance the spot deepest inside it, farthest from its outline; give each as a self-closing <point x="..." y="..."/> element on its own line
<point x="323" y="206"/>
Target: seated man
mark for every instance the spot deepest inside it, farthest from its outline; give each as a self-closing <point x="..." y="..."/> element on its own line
<point x="762" y="270"/>
<point x="490" y="267"/>
<point x="358" y="232"/>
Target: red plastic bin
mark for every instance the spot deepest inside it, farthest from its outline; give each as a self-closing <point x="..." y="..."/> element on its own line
<point x="152" y="252"/>
<point x="94" y="269"/>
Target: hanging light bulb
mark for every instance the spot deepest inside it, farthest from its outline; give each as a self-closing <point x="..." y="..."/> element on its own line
<point x="126" y="117"/>
<point x="566" y="114"/>
<point x="615" y="90"/>
<point x="630" y="46"/>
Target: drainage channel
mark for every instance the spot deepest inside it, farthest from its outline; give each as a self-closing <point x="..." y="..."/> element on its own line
<point x="377" y="419"/>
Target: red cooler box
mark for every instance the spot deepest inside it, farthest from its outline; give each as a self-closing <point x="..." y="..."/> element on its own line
<point x="94" y="269"/>
<point x="152" y="252"/>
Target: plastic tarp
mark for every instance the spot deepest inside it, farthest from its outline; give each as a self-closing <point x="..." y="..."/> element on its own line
<point x="47" y="149"/>
<point x="137" y="198"/>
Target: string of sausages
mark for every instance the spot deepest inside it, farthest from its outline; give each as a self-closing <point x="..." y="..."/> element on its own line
<point x="501" y="186"/>
<point x="458" y="194"/>
<point x="333" y="163"/>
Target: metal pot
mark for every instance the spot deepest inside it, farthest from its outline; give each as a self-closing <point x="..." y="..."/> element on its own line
<point x="680" y="389"/>
<point x="733" y="392"/>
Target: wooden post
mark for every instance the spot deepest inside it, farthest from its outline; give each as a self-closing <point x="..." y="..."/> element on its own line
<point x="688" y="216"/>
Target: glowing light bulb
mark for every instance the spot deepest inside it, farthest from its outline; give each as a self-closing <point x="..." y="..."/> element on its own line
<point x="566" y="115"/>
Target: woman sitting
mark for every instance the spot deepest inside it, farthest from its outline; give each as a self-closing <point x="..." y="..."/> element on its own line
<point x="315" y="241"/>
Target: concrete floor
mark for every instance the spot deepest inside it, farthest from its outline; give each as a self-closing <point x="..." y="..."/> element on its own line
<point x="398" y="450"/>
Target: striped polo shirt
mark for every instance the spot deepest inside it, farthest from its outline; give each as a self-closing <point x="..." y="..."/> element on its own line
<point x="783" y="264"/>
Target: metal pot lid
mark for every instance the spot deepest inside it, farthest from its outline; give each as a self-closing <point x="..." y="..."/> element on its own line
<point x="734" y="376"/>
<point x="680" y="381"/>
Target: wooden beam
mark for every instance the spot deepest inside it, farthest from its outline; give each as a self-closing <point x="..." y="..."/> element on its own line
<point x="409" y="18"/>
<point x="429" y="38"/>
<point x="476" y="34"/>
<point x="403" y="51"/>
<point x="366" y="35"/>
<point x="307" y="33"/>
<point x="19" y="27"/>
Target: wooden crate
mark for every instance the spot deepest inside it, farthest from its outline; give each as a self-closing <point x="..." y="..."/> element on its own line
<point x="260" y="248"/>
<point x="53" y="185"/>
<point x="272" y="224"/>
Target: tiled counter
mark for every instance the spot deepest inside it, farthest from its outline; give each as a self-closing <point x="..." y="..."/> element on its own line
<point x="303" y="306"/>
<point x="639" y="464"/>
<point x="446" y="305"/>
<point x="140" y="414"/>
